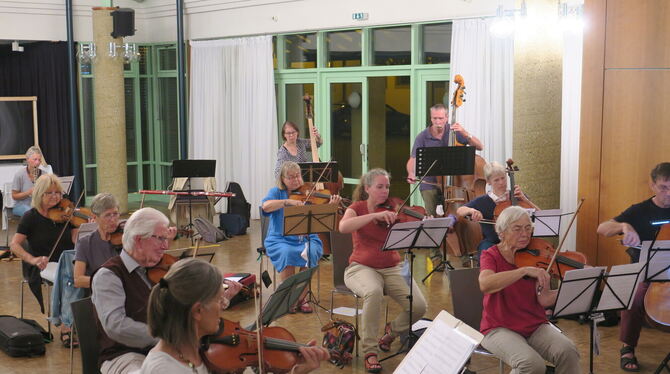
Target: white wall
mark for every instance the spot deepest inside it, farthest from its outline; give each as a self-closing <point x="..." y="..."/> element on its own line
<point x="207" y="19"/>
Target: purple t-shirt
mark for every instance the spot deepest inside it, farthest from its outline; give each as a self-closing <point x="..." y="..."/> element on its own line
<point x="425" y="139"/>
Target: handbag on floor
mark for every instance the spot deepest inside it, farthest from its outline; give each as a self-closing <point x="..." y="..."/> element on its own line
<point x="339" y="339"/>
<point x="18" y="338"/>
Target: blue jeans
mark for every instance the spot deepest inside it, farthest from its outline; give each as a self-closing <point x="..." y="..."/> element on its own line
<point x="64" y="291"/>
<point x="19" y="209"/>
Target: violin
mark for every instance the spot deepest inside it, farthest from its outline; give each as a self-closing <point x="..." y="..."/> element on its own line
<point x="405" y="214"/>
<point x="322" y="197"/>
<point x="158" y="271"/>
<point x="232" y="349"/>
<point x="657" y="298"/>
<point x="539" y="252"/>
<point x="66" y="211"/>
<point x="116" y="238"/>
<point x="511" y="169"/>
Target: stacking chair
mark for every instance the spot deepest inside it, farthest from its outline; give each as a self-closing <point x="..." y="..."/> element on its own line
<point x="265" y="223"/>
<point x="467" y="300"/>
<point x="85" y="327"/>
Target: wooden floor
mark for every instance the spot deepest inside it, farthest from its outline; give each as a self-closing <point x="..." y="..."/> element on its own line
<point x="239" y="255"/>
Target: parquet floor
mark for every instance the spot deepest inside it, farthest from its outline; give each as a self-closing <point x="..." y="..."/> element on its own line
<point x="239" y="255"/>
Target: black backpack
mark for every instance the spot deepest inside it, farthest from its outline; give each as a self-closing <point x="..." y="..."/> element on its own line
<point x="236" y="220"/>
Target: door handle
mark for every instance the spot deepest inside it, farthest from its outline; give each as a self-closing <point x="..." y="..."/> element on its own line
<point x="364" y="151"/>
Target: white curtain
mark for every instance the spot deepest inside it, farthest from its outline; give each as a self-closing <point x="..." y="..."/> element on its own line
<point x="570" y="115"/>
<point x="487" y="66"/>
<point x="233" y="113"/>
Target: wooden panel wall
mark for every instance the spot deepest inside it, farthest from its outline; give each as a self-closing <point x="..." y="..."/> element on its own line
<point x="625" y="118"/>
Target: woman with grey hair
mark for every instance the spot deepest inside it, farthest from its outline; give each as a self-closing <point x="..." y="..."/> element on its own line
<point x="296" y="251"/>
<point x="483" y="206"/>
<point x="184" y="307"/>
<point x="514" y="323"/>
<point x="95" y="249"/>
<point x="24" y="181"/>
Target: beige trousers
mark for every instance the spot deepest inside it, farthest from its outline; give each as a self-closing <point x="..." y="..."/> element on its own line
<point x="371" y="285"/>
<point x="528" y="355"/>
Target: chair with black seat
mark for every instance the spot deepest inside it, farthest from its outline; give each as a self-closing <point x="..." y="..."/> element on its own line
<point x="265" y="223"/>
<point x="83" y="312"/>
<point x="467" y="301"/>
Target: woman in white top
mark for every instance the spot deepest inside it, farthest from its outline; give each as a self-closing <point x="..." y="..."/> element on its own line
<point x="192" y="291"/>
<point x="24" y="181"/>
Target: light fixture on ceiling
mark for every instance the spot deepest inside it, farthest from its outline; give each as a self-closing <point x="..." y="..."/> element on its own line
<point x="504" y="23"/>
<point x="86" y="53"/>
<point x="129" y="55"/>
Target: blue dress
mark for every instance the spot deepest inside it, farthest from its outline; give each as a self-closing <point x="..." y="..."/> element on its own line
<point x="286" y="250"/>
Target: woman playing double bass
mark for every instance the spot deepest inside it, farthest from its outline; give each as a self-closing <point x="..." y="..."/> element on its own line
<point x="635" y="225"/>
<point x="185" y="306"/>
<point x="371" y="272"/>
<point x="295" y="148"/>
<point x="484" y="206"/>
<point x="514" y="324"/>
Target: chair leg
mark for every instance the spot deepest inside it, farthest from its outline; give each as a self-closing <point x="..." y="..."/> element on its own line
<point x="356" y="322"/>
<point x="501" y="366"/>
<point x="332" y="295"/>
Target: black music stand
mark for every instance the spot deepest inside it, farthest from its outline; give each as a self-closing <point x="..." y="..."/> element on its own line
<point x="448" y="161"/>
<point x="311" y="171"/>
<point x="306" y="220"/>
<point x="284" y="297"/>
<point x="409" y="235"/>
<point x="192" y="169"/>
<point x="656" y="255"/>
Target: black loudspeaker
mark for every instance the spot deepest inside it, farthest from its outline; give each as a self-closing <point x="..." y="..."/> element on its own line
<point x="124" y="22"/>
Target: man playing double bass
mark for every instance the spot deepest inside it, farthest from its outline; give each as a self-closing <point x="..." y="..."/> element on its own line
<point x="635" y="225"/>
<point x="436" y="135"/>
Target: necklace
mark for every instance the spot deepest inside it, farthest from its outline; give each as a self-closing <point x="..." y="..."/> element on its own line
<point x="187" y="361"/>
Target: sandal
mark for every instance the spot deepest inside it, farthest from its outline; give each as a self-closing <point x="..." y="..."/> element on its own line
<point x="386" y="340"/>
<point x="625" y="361"/>
<point x="372" y="367"/>
<point x="67" y="340"/>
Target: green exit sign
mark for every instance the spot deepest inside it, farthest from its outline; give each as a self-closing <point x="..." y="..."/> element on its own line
<point x="360" y="16"/>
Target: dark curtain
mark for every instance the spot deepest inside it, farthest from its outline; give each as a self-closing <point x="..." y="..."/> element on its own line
<point x="41" y="70"/>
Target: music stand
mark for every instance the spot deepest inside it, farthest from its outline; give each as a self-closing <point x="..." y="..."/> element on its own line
<point x="306" y="220"/>
<point x="547" y="222"/>
<point x="311" y="171"/>
<point x="408" y="235"/>
<point x="448" y="161"/>
<point x="192" y="169"/>
<point x="657" y="257"/>
<point x="284" y="297"/>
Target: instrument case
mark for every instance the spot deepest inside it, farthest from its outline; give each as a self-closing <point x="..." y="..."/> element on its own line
<point x="18" y="338"/>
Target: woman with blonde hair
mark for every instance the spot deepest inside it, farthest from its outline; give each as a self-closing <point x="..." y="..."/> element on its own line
<point x="24" y="181"/>
<point x="372" y="272"/>
<point x="41" y="234"/>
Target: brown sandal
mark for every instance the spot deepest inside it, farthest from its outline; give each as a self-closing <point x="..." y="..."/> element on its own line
<point x="372" y="367"/>
<point x="386" y="340"/>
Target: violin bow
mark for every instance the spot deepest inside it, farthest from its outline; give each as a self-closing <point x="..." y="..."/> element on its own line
<point x="415" y="187"/>
<point x="60" y="236"/>
<point x="565" y="235"/>
<point x="318" y="180"/>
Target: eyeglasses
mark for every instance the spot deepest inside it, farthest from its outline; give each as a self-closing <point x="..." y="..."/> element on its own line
<point x="110" y="215"/>
<point x="519" y="229"/>
<point x="52" y="193"/>
<point x="292" y="177"/>
<point x="290" y="133"/>
<point x="163" y="239"/>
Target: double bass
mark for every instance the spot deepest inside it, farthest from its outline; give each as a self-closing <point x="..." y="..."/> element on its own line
<point x="460" y="189"/>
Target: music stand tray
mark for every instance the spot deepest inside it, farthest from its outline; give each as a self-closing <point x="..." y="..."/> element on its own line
<point x="284" y="297"/>
<point x="450" y="160"/>
<point x="657" y="257"/>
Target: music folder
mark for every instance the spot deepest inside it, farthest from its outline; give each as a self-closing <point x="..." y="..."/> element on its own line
<point x="444" y="347"/>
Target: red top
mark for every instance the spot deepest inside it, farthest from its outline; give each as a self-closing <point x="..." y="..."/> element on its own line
<point x="515" y="307"/>
<point x="368" y="241"/>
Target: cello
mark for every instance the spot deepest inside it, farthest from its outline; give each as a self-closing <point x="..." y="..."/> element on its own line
<point x="657" y="298"/>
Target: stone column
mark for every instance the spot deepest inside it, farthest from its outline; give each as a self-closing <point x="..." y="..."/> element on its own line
<point x="110" y="113"/>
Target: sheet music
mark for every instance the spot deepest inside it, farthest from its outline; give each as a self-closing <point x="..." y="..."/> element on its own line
<point x="441" y="349"/>
<point x="577" y="291"/>
<point x="402" y="235"/>
<point x="659" y="264"/>
<point x="623" y="279"/>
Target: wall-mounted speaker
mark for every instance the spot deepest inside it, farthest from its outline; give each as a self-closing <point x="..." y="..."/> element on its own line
<point x="124" y="22"/>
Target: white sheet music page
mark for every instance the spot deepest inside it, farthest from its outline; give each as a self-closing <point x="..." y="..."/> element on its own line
<point x="441" y="349"/>
<point x="658" y="264"/>
<point x="623" y="279"/>
<point x="577" y="290"/>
